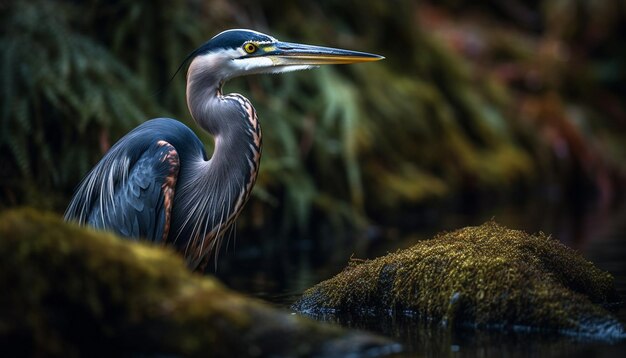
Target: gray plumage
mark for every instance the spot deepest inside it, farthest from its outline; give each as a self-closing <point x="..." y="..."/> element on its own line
<point x="157" y="182"/>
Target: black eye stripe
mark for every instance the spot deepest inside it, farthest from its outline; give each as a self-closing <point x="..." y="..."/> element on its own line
<point x="233" y="39"/>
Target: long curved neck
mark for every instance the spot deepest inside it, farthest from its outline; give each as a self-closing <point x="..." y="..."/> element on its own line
<point x="231" y="118"/>
<point x="218" y="188"/>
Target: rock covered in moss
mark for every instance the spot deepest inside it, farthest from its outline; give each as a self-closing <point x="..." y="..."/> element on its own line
<point x="69" y="291"/>
<point x="481" y="276"/>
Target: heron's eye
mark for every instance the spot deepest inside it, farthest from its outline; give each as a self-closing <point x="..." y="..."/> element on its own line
<point x="250" y="47"/>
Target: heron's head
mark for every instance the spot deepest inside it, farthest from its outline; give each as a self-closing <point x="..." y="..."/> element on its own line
<point x="240" y="52"/>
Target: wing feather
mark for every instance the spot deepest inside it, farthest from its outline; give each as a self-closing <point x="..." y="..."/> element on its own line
<point x="140" y="202"/>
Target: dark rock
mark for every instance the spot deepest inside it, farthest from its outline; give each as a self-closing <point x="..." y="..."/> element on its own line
<point x="71" y="291"/>
<point x="484" y="276"/>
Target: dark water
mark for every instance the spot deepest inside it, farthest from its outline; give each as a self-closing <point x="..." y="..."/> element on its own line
<point x="280" y="272"/>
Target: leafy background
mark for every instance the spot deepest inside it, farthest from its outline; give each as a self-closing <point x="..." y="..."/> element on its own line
<point x="477" y="102"/>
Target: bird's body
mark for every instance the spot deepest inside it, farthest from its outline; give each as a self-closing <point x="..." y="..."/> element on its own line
<point x="157" y="182"/>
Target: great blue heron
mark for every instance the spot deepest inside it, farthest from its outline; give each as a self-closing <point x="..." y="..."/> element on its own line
<point x="157" y="182"/>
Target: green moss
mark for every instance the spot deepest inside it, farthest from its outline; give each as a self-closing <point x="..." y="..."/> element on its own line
<point x="67" y="290"/>
<point x="482" y="276"/>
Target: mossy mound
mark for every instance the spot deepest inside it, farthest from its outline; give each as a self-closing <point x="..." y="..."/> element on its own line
<point x="481" y="276"/>
<point x="70" y="291"/>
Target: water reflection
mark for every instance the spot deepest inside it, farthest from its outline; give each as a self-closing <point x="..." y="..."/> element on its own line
<point x="424" y="339"/>
<point x="281" y="274"/>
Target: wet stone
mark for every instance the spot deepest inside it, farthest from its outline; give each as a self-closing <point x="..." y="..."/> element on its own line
<point x="485" y="276"/>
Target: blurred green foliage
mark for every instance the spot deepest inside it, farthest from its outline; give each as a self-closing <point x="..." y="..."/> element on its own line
<point x="69" y="291"/>
<point x="440" y="116"/>
<point x="63" y="97"/>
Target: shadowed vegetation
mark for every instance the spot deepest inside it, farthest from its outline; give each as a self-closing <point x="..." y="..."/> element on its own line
<point x="484" y="276"/>
<point x="63" y="96"/>
<point x="499" y="103"/>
